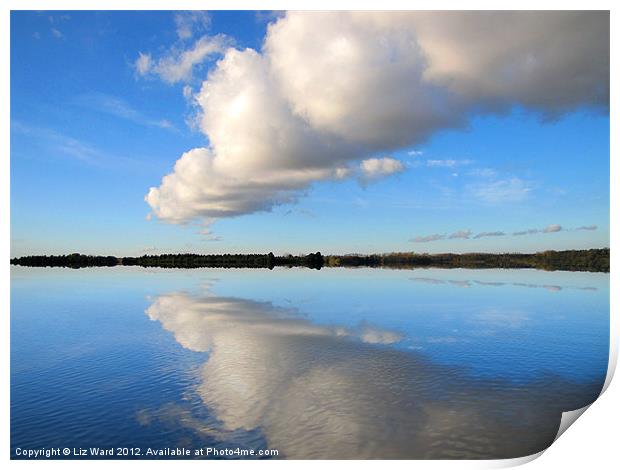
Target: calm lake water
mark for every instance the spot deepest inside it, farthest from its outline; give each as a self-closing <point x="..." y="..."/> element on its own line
<point x="337" y="363"/>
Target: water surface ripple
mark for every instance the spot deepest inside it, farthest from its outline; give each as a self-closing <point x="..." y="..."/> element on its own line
<point x="332" y="364"/>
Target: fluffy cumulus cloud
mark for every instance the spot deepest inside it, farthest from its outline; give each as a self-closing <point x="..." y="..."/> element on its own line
<point x="260" y="153"/>
<point x="329" y="91"/>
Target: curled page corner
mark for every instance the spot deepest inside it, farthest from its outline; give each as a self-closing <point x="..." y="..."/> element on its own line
<point x="613" y="361"/>
<point x="568" y="418"/>
<point x="517" y="461"/>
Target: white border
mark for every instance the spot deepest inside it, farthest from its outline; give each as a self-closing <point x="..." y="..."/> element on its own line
<point x="591" y="443"/>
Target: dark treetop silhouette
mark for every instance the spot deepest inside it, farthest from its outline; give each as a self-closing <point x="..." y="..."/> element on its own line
<point x="596" y="260"/>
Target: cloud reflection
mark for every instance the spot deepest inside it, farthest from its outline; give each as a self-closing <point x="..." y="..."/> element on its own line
<point x="318" y="391"/>
<point x="468" y="283"/>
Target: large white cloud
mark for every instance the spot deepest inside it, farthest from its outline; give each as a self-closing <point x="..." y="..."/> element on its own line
<point x="259" y="154"/>
<point x="331" y="89"/>
<point x="548" y="60"/>
<point x="358" y="76"/>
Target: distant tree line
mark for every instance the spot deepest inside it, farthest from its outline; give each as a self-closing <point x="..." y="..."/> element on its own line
<point x="74" y="260"/>
<point x="190" y="260"/>
<point x="178" y="260"/>
<point x="596" y="260"/>
<point x="254" y="260"/>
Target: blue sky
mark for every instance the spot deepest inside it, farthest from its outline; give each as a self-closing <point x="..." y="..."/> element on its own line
<point x="91" y="132"/>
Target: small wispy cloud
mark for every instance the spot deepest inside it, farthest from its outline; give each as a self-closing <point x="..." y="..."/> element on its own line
<point x="447" y="163"/>
<point x="465" y="234"/>
<point x="57" y="33"/>
<point x="304" y="212"/>
<point x="499" y="191"/>
<point x="79" y="150"/>
<point x="415" y="153"/>
<point x="64" y="144"/>
<point x="482" y="172"/>
<point x="118" y="107"/>
<point x="458" y="283"/>
<point x="190" y="22"/>
<point x="58" y="18"/>
<point x="374" y="168"/>
<point x="552" y="228"/>
<point x="490" y="234"/>
<point x="188" y="93"/>
<point x="428" y="280"/>
<point x="530" y="231"/>
<point x="209" y="236"/>
<point x="179" y="62"/>
<point x="428" y="238"/>
<point x="143" y="64"/>
<point x="54" y="21"/>
<point x="267" y="16"/>
<point x="58" y="143"/>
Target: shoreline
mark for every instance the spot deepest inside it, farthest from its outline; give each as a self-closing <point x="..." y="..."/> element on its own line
<point x="592" y="260"/>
